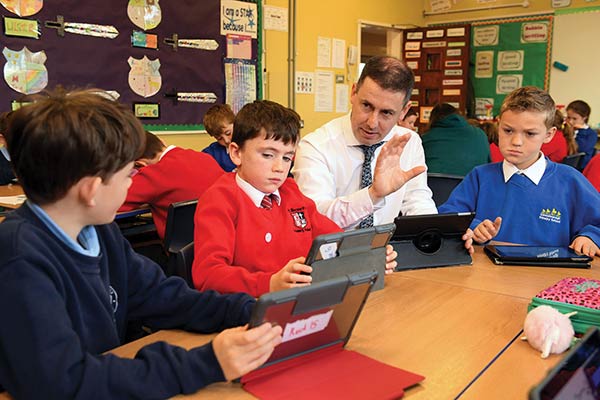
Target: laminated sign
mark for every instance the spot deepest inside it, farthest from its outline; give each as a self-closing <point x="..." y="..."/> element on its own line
<point x="144" y="78"/>
<point x="23" y="8"/>
<point x="25" y="71"/>
<point x="144" y="13"/>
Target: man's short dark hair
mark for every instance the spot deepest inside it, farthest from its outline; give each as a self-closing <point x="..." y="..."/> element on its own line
<point x="390" y="74"/>
<point x="63" y="137"/>
<point x="279" y="122"/>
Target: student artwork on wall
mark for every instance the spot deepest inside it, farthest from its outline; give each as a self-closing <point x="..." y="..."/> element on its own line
<point x="162" y="53"/>
<point x="506" y="55"/>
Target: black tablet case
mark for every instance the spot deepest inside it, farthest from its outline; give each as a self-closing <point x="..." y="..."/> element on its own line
<point x="426" y="241"/>
<point x="358" y="251"/>
<point x="538" y="259"/>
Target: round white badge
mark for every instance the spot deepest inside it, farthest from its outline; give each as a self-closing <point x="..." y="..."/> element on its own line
<point x="268" y="237"/>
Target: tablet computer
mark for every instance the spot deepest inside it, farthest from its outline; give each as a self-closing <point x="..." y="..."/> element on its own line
<point x="539" y="256"/>
<point x="359" y="250"/>
<point x="576" y="376"/>
<point x="434" y="240"/>
<point x="316" y="316"/>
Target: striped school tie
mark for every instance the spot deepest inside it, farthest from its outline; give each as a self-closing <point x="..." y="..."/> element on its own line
<point x="267" y="201"/>
<point x="366" y="177"/>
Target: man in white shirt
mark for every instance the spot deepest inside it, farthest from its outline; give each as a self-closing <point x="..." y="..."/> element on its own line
<point x="329" y="161"/>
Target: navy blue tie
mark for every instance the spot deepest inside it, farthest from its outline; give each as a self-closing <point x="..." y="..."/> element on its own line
<point x="366" y="178"/>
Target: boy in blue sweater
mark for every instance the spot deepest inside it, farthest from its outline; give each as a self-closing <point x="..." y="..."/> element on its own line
<point x="528" y="199"/>
<point x="70" y="283"/>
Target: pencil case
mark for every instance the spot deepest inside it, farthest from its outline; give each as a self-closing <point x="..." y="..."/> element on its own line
<point x="573" y="294"/>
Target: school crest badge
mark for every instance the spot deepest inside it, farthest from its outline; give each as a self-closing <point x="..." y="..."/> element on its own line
<point x="299" y="219"/>
<point x="23" y="8"/>
<point x="145" y="14"/>
<point x="25" y="71"/>
<point x="144" y="77"/>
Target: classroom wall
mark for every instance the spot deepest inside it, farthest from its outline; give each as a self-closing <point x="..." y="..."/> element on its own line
<point x="330" y="19"/>
<point x="534" y="7"/>
<point x="574" y="44"/>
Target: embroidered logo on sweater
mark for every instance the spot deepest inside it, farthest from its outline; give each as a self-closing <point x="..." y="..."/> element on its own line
<point x="550" y="215"/>
<point x="299" y="218"/>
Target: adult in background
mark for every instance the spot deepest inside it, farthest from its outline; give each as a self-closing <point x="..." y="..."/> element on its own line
<point x="453" y="146"/>
<point x="363" y="169"/>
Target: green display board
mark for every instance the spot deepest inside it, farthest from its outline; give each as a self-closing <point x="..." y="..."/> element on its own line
<point x="508" y="54"/>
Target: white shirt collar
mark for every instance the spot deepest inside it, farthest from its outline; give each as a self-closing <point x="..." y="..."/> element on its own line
<point x="168" y="149"/>
<point x="534" y="172"/>
<point x="255" y="195"/>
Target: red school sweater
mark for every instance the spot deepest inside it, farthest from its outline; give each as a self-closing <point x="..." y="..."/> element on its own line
<point x="238" y="246"/>
<point x="182" y="174"/>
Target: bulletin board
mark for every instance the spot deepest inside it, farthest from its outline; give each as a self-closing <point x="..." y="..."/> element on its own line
<point x="191" y="74"/>
<point x="507" y="54"/>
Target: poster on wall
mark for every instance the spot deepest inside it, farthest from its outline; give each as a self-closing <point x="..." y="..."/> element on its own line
<point x="239" y="17"/>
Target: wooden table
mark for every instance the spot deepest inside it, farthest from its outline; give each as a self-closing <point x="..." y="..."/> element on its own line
<point x="12" y="189"/>
<point x="454" y="325"/>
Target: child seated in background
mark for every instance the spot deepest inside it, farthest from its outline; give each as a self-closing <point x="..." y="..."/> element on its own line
<point x="6" y="173"/>
<point x="410" y="120"/>
<point x="527" y="199"/>
<point x="562" y="143"/>
<point x="218" y="122"/>
<point x="167" y="175"/>
<point x="254" y="227"/>
<point x="70" y="282"/>
<point x="578" y="114"/>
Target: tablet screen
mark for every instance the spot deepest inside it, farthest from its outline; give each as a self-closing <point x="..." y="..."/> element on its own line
<point x="577" y="376"/>
<point x="541" y="252"/>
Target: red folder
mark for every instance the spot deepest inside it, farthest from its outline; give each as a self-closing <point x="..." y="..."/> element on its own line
<point x="330" y="373"/>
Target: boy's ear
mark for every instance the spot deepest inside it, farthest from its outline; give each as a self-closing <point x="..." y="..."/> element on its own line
<point x="234" y="154"/>
<point x="88" y="187"/>
<point x="550" y="134"/>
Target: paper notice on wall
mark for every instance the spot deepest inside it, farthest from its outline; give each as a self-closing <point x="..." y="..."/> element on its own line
<point x="323" y="52"/>
<point x="338" y="53"/>
<point x="486" y="35"/>
<point x="275" y="18"/>
<point x="439" y="5"/>
<point x="507" y="83"/>
<point x="240" y="84"/>
<point x="534" y="32"/>
<point x="324" y="91"/>
<point x="511" y="60"/>
<point x="239" y="17"/>
<point x="482" y="104"/>
<point x="341" y="98"/>
<point x="484" y="64"/>
<point x="239" y="46"/>
<point x="304" y="82"/>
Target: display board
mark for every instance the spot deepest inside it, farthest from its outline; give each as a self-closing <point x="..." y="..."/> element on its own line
<point x="508" y="54"/>
<point x="439" y="58"/>
<point x="167" y="59"/>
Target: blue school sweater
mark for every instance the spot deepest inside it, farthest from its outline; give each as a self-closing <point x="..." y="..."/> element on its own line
<point x="564" y="204"/>
<point x="586" y="141"/>
<point x="220" y="154"/>
<point x="61" y="310"/>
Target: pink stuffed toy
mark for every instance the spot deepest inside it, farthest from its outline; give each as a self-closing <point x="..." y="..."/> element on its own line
<point x="548" y="331"/>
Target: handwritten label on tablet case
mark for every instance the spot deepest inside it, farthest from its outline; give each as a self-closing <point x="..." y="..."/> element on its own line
<point x="303" y="327"/>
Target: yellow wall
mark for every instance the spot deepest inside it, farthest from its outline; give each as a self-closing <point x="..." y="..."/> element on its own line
<point x="535" y="7"/>
<point x="196" y="141"/>
<point x="332" y="19"/>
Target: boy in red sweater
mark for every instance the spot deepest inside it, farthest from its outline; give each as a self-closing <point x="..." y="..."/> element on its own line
<point x="168" y="175"/>
<point x="251" y="223"/>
